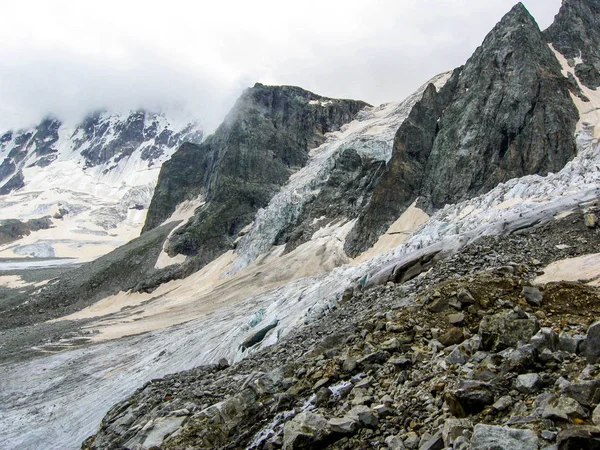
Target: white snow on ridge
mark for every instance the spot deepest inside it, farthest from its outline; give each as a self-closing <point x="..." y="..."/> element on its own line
<point x="102" y="206"/>
<point x="371" y="135"/>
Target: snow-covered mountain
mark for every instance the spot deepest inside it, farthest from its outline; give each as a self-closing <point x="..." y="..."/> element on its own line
<point x="236" y="254"/>
<point x="94" y="180"/>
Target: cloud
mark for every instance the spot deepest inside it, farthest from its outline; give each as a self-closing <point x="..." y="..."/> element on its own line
<point x="71" y="57"/>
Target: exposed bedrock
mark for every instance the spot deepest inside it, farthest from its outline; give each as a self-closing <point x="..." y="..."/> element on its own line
<point x="263" y="140"/>
<point x="505" y="114"/>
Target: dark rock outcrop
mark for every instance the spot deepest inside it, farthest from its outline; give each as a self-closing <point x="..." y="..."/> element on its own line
<point x="263" y="140"/>
<point x="507" y="113"/>
<point x="575" y="33"/>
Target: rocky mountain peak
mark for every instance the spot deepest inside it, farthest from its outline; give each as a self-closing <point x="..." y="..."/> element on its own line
<point x="265" y="138"/>
<point x="575" y="33"/>
<point x="506" y="113"/>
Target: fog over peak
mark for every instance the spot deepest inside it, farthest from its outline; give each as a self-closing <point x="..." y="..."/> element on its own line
<point x="68" y="58"/>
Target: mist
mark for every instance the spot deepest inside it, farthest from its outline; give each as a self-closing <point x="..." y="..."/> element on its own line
<point x="67" y="58"/>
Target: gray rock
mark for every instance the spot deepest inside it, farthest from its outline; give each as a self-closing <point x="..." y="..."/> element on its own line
<point x="349" y="365"/>
<point x="587" y="393"/>
<point x="435" y="442"/>
<point x="465" y="296"/>
<point x="546" y="338"/>
<point x="343" y="425"/>
<point x="507" y="329"/>
<point x="454" y="428"/>
<point x="503" y="403"/>
<point x="590" y="348"/>
<point x="532" y="295"/>
<point x="579" y="438"/>
<point x="528" y="383"/>
<point x="456" y="319"/>
<point x="412" y="440"/>
<point x="394" y="443"/>
<point x="570" y="344"/>
<point x="596" y="415"/>
<point x="305" y="431"/>
<point x="486" y="437"/>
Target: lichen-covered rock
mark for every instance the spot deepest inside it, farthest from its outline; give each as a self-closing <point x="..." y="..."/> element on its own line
<point x="507" y="329"/>
<point x="486" y="437"/>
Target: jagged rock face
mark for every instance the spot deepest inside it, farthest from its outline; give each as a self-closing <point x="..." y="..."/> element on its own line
<point x="263" y="140"/>
<point x="576" y="34"/>
<point x="507" y="113"/>
<point x="345" y="193"/>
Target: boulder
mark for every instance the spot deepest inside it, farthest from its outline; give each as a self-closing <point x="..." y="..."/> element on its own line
<point x="528" y="383"/>
<point x="587" y="393"/>
<point x="305" y="431"/>
<point x="579" y="438"/>
<point x="532" y="295"/>
<point x="591" y="346"/>
<point x="507" y="329"/>
<point x="487" y="437"/>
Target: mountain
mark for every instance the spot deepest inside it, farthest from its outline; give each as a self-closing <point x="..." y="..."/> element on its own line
<point x="575" y="33"/>
<point x="93" y="181"/>
<point x="505" y="114"/>
<point x="265" y="138"/>
<point x="323" y="273"/>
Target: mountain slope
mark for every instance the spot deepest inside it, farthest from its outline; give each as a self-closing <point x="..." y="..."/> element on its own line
<point x="505" y="114"/>
<point x="264" y="139"/>
<point x="94" y="180"/>
<point x="575" y="33"/>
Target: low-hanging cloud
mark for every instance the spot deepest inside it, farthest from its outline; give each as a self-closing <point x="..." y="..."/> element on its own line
<point x="68" y="58"/>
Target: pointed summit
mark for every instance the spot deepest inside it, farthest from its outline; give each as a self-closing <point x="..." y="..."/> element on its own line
<point x="575" y="33"/>
<point x="505" y="114"/>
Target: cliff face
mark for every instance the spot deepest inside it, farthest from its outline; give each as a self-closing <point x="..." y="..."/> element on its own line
<point x="576" y="34"/>
<point x="506" y="113"/>
<point x="263" y="140"/>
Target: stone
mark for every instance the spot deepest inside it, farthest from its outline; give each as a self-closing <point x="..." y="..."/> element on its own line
<point x="570" y="344"/>
<point x="453" y="428"/>
<point x="503" y="403"/>
<point x="349" y="365"/>
<point x="596" y="415"/>
<point x="507" y="329"/>
<point x="470" y="398"/>
<point x="465" y="296"/>
<point x="590" y="220"/>
<point x="521" y="360"/>
<point x="590" y="348"/>
<point x="587" y="393"/>
<point x="487" y="437"/>
<point x="343" y="425"/>
<point x="528" y="383"/>
<point x="456" y="319"/>
<point x="305" y="431"/>
<point x="368" y="418"/>
<point x="546" y="338"/>
<point x="548" y="435"/>
<point x="579" y="438"/>
<point x="394" y="443"/>
<point x="571" y="408"/>
<point x="435" y="442"/>
<point x="458" y="356"/>
<point x="412" y="440"/>
<point x="453" y="336"/>
<point x="532" y="295"/>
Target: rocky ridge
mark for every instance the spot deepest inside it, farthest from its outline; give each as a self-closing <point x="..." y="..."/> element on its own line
<point x="263" y="140"/>
<point x="505" y="114"/>
<point x="470" y="353"/>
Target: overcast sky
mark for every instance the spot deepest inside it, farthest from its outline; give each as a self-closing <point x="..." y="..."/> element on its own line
<point x="70" y="57"/>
